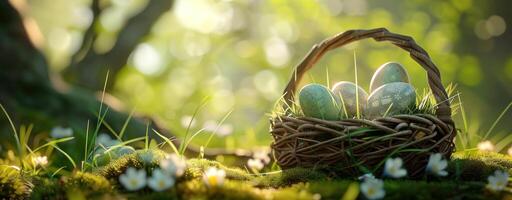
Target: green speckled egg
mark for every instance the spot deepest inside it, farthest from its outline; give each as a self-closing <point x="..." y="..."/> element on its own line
<point x="346" y="92"/>
<point x="388" y="73"/>
<point x="398" y="97"/>
<point x="318" y="101"/>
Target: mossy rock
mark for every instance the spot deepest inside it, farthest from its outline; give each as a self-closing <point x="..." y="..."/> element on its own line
<point x="13" y="185"/>
<point x="137" y="160"/>
<point x="477" y="166"/>
<point x="77" y="184"/>
<point x="90" y="182"/>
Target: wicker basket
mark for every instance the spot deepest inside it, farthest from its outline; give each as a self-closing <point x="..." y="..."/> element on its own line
<point x="310" y="142"/>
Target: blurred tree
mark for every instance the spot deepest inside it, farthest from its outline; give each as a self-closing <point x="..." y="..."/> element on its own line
<point x="88" y="66"/>
<point x="29" y="95"/>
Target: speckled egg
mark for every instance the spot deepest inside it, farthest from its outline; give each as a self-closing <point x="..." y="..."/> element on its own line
<point x="346" y="92"/>
<point x="388" y="73"/>
<point x="318" y="101"/>
<point x="390" y="99"/>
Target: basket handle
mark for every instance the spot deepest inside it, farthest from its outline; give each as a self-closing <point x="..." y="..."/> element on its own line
<point x="407" y="43"/>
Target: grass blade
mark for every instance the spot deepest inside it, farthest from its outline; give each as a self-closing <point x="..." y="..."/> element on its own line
<point x="57" y="171"/>
<point x="168" y="142"/>
<point x="86" y="142"/>
<point x="506" y="141"/>
<point x="464" y="120"/>
<point x="123" y="144"/>
<point x="65" y="154"/>
<point x="18" y="144"/>
<point x="327" y="77"/>
<point x="146" y="146"/>
<point x="110" y="129"/>
<point x="191" y="138"/>
<point x="97" y="129"/>
<point x="53" y="142"/>
<point x="497" y="120"/>
<point x="357" y="88"/>
<point x="121" y="133"/>
<point x="218" y="126"/>
<point x="198" y="108"/>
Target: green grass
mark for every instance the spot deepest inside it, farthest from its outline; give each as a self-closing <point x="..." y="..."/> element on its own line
<point x="468" y="176"/>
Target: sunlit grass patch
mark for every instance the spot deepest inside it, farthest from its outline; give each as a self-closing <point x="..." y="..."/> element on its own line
<point x="196" y="167"/>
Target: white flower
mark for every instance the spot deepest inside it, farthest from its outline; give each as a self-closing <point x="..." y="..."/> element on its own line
<point x="262" y="155"/>
<point x="498" y="181"/>
<point x="214" y="177"/>
<point x="255" y="164"/>
<point x="133" y="179"/>
<point x="173" y="165"/>
<point x="366" y="176"/>
<point x="486" y="146"/>
<point x="186" y="120"/>
<point x="373" y="188"/>
<point x="160" y="181"/>
<point x="220" y="130"/>
<point x="60" y="132"/>
<point x="437" y="165"/>
<point x="393" y="168"/>
<point x="40" y="160"/>
<point x="105" y="140"/>
<point x="509" y="151"/>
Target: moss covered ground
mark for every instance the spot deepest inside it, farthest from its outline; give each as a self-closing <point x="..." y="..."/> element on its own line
<point x="467" y="180"/>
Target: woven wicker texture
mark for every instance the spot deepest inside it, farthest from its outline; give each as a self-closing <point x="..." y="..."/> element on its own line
<point x="355" y="143"/>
